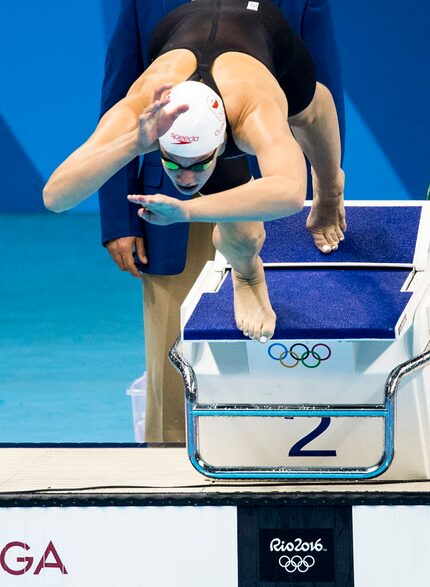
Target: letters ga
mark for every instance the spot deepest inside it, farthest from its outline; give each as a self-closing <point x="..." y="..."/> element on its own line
<point x="25" y="563"/>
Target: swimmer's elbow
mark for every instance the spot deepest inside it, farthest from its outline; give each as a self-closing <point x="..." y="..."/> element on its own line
<point x="294" y="196"/>
<point x="50" y="200"/>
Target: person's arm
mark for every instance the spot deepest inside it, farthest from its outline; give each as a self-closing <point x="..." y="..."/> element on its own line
<point x="279" y="193"/>
<point x="128" y="129"/>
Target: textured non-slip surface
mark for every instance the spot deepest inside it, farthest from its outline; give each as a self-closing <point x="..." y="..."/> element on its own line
<point x="375" y="234"/>
<point x="312" y="303"/>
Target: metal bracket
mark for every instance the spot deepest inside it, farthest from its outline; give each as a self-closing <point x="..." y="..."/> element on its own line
<point x="194" y="410"/>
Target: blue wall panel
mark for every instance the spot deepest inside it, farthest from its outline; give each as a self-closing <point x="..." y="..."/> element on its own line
<point x="385" y="52"/>
<point x="52" y="67"/>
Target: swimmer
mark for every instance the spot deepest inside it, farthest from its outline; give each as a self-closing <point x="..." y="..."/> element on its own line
<point x="225" y="81"/>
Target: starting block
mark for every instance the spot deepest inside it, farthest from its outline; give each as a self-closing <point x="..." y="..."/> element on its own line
<point x="342" y="391"/>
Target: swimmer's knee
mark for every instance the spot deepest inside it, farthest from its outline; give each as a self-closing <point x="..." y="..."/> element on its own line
<point x="240" y="242"/>
<point x="312" y="112"/>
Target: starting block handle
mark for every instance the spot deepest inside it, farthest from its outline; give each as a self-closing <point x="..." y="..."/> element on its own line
<point x="387" y="411"/>
<point x="403" y="370"/>
<point x="185" y="370"/>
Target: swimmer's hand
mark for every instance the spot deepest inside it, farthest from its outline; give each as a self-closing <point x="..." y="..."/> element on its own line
<point x="160" y="209"/>
<point x="326" y="221"/>
<point x="156" y="120"/>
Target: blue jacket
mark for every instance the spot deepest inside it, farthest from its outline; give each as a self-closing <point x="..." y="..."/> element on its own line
<point x="126" y="59"/>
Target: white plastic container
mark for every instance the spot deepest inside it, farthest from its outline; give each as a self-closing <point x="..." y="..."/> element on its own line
<point x="137" y="392"/>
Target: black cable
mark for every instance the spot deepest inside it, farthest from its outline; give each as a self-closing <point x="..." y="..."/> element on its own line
<point x="213" y="483"/>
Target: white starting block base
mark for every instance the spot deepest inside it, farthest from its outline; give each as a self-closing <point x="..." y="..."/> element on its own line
<point x="356" y="375"/>
<point x="314" y="402"/>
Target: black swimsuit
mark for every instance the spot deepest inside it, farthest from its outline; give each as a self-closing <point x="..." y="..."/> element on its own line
<point x="210" y="28"/>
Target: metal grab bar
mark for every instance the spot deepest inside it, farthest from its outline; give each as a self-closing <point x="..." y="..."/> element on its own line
<point x="386" y="411"/>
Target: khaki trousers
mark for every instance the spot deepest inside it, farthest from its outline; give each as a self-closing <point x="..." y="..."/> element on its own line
<point x="163" y="296"/>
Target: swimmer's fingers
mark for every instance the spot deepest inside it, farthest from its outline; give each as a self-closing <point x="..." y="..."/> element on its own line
<point x="160" y="91"/>
<point x="154" y="108"/>
<point x="136" y="199"/>
<point x="156" y="121"/>
<point x="161" y="209"/>
<point x="167" y="117"/>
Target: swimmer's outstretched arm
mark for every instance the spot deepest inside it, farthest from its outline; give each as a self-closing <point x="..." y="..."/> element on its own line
<point x="127" y="130"/>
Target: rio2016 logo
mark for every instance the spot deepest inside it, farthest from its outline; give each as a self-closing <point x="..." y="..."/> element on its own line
<point x="7" y="560"/>
<point x="296" y="562"/>
<point x="291" y="357"/>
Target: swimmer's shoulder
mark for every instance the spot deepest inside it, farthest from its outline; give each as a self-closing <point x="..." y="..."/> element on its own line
<point x="246" y="84"/>
<point x="173" y="67"/>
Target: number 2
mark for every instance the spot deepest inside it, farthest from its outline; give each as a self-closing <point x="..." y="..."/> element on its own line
<point x="297" y="449"/>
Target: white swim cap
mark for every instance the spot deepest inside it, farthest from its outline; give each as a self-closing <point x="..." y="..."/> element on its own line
<point x="201" y="128"/>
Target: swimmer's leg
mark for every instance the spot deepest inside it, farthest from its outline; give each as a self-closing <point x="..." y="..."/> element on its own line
<point x="316" y="129"/>
<point x="240" y="243"/>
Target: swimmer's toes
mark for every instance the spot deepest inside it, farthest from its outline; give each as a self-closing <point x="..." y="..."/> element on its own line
<point x="340" y="234"/>
<point x="245" y="328"/>
<point x="256" y="335"/>
<point x="333" y="241"/>
<point x="321" y="243"/>
<point x="268" y="329"/>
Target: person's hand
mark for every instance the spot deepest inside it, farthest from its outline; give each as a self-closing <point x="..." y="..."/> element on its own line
<point x="160" y="209"/>
<point x="121" y="250"/>
<point x="157" y="119"/>
<point x="326" y="220"/>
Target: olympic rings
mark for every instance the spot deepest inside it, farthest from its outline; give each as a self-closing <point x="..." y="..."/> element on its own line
<point x="296" y="563"/>
<point x="297" y="358"/>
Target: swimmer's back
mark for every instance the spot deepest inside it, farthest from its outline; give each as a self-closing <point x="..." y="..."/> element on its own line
<point x="211" y="30"/>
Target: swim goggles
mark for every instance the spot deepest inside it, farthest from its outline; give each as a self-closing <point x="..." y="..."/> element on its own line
<point x="197" y="167"/>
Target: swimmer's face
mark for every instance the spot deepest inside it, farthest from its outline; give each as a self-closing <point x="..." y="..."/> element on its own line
<point x="189" y="174"/>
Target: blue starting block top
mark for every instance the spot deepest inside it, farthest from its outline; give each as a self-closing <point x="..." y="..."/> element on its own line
<point x="312" y="304"/>
<point x="317" y="296"/>
<point x="376" y="234"/>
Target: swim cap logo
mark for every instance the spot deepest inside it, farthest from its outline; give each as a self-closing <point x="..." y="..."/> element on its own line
<point x="216" y="107"/>
<point x="220" y="130"/>
<point x="183" y="140"/>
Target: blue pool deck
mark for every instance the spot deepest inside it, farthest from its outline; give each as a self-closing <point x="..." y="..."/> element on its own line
<point x="71" y="333"/>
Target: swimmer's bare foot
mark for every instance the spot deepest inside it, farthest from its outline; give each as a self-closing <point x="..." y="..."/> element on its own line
<point x="326" y="221"/>
<point x="252" y="309"/>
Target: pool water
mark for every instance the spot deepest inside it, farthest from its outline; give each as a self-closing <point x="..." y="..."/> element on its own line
<point x="71" y="333"/>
